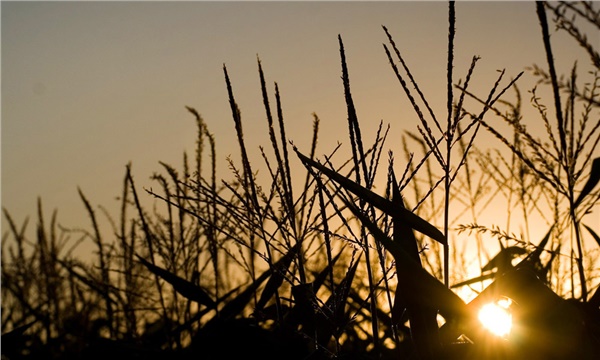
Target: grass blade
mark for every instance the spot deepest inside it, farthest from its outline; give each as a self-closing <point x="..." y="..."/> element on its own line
<point x="182" y="286"/>
<point x="378" y="201"/>
<point x="591" y="183"/>
<point x="423" y="287"/>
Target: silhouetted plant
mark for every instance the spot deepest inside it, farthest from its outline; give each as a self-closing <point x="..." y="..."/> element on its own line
<point x="252" y="267"/>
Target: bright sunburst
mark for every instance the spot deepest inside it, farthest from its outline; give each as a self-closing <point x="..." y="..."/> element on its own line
<point x="496" y="317"/>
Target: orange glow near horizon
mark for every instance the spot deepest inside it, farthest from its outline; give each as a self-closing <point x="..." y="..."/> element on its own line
<point x="91" y="86"/>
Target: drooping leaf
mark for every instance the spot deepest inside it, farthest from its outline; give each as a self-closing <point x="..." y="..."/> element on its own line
<point x="593" y="233"/>
<point x="184" y="287"/>
<point x="416" y="281"/>
<point x="413" y="220"/>
<point x="591" y="183"/>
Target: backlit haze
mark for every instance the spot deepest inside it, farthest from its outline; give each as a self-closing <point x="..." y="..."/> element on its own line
<point x="88" y="87"/>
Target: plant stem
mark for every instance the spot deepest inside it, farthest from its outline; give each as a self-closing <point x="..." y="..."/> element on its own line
<point x="447" y="181"/>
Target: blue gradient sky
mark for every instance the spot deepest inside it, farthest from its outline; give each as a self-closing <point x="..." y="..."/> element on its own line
<point x="89" y="86"/>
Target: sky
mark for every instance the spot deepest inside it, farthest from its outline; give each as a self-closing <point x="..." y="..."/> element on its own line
<point x="88" y="87"/>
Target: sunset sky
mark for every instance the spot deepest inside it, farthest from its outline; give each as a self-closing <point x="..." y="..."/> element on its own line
<point x="89" y="86"/>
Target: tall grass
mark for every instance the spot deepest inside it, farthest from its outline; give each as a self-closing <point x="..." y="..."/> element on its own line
<point x="255" y="267"/>
<point x="562" y="166"/>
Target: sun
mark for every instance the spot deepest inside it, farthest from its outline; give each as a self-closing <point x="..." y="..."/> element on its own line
<point x="496" y="317"/>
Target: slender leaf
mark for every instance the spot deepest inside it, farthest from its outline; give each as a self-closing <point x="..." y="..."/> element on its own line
<point x="414" y="279"/>
<point x="593" y="233"/>
<point x="591" y="183"/>
<point x="378" y="201"/>
<point x="184" y="287"/>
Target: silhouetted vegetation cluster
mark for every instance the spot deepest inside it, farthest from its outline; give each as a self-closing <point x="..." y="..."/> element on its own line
<point x="316" y="264"/>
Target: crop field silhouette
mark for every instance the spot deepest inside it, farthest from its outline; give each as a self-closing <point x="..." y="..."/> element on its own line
<point x="352" y="255"/>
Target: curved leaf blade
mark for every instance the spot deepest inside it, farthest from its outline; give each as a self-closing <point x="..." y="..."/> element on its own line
<point x="182" y="286"/>
<point x="423" y="287"/>
<point x="413" y="220"/>
<point x="591" y="183"/>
